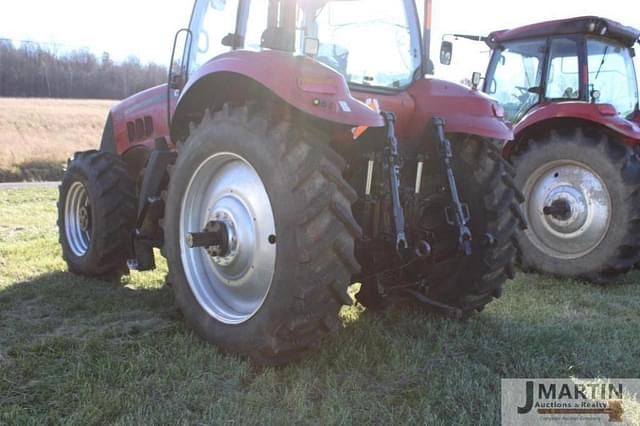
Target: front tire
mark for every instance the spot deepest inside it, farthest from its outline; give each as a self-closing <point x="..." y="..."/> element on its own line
<point x="581" y="188"/>
<point x="279" y="187"/>
<point x="96" y="215"/>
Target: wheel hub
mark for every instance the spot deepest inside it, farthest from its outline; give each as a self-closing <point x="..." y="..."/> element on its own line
<point x="559" y="209"/>
<point x="84" y="218"/>
<point x="77" y="219"/>
<point x="227" y="215"/>
<point x="568" y="207"/>
<point x="227" y="257"/>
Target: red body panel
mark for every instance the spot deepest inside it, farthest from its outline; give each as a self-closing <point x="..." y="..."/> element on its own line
<point x="322" y="92"/>
<point x="300" y="81"/>
<point x="464" y="110"/>
<point x="577" y="110"/>
<point x="148" y="105"/>
<point x="401" y="104"/>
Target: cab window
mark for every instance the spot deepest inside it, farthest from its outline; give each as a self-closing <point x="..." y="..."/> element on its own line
<point x="517" y="76"/>
<point x="612" y="76"/>
<point x="370" y="42"/>
<point x="212" y="21"/>
<point x="563" y="81"/>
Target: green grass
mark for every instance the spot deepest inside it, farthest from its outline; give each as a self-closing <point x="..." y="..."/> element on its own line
<point x="80" y="351"/>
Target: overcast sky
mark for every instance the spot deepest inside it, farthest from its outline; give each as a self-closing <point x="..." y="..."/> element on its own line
<point x="145" y="28"/>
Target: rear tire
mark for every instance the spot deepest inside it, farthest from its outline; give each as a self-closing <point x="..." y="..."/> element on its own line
<point x="594" y="180"/>
<point x="280" y="314"/>
<point x="96" y="215"/>
<point x="485" y="181"/>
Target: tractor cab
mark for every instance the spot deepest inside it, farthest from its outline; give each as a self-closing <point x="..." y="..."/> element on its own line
<point x="586" y="60"/>
<point x="371" y="43"/>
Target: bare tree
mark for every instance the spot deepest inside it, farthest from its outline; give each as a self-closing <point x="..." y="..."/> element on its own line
<point x="33" y="71"/>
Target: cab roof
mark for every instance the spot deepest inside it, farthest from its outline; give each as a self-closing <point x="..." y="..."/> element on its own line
<point x="581" y="25"/>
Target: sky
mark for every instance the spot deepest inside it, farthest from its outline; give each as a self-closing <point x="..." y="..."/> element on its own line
<point x="485" y="16"/>
<point x="145" y="28"/>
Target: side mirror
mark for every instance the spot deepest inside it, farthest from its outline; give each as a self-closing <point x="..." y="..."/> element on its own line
<point x="180" y="59"/>
<point x="446" y="52"/>
<point x="311" y="46"/>
<point x="476" y="78"/>
<point x="177" y="81"/>
<point x="178" y="66"/>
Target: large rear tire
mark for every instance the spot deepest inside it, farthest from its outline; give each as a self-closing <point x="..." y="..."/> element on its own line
<point x="278" y="187"/>
<point x="589" y="185"/>
<point x="96" y="215"/>
<point x="486" y="184"/>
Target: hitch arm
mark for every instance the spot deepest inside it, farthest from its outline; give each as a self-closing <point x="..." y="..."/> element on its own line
<point x="460" y="217"/>
<point x="394" y="182"/>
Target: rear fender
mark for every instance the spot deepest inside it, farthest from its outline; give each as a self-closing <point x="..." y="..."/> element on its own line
<point x="465" y="110"/>
<point x="563" y="113"/>
<point x="299" y="81"/>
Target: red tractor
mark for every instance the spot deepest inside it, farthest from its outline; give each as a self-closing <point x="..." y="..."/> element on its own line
<point x="569" y="87"/>
<point x="298" y="148"/>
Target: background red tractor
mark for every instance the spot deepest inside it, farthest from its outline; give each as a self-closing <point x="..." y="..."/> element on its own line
<point x="569" y="87"/>
<point x="273" y="185"/>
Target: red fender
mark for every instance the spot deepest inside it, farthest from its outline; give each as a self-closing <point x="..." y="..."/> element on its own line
<point x="601" y="114"/>
<point x="300" y="81"/>
<point x="464" y="110"/>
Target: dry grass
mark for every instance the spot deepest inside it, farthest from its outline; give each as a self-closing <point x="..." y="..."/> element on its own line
<point x="38" y="135"/>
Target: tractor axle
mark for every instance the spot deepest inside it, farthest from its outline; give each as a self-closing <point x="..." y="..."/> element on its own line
<point x="215" y="238"/>
<point x="559" y="209"/>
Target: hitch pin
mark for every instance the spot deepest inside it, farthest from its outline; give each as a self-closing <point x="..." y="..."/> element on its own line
<point x="369" y="175"/>
<point x="419" y="175"/>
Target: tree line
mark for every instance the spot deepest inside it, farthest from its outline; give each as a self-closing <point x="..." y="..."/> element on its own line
<point x="31" y="70"/>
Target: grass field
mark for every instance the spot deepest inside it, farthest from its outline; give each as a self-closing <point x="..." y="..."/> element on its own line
<point x="38" y="135"/>
<point x="79" y="351"/>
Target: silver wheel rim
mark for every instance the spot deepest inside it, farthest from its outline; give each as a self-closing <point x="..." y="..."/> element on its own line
<point x="226" y="188"/>
<point x="585" y="205"/>
<point x="77" y="219"/>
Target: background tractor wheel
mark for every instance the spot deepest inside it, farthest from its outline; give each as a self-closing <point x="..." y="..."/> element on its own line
<point x="582" y="205"/>
<point x="486" y="185"/>
<point x="96" y="214"/>
<point x="276" y="188"/>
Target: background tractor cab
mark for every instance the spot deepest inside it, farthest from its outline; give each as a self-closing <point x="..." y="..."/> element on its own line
<point x="570" y="89"/>
<point x="584" y="64"/>
<point x="586" y="60"/>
